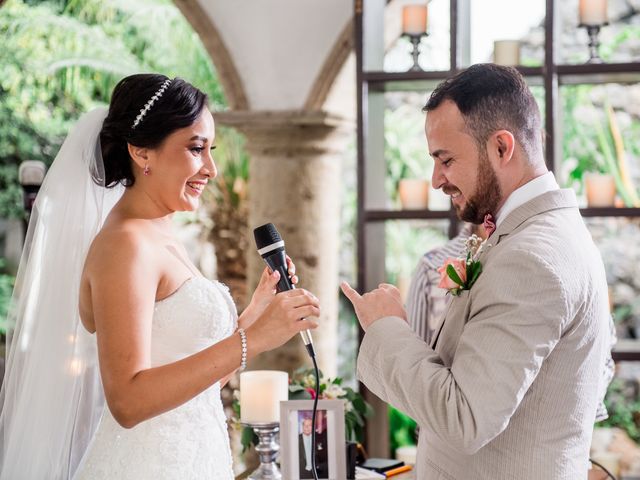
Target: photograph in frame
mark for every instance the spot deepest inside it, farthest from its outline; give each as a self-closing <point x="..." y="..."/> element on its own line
<point x="295" y="440"/>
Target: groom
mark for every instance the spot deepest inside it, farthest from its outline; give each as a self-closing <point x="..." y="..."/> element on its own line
<point x="508" y="387"/>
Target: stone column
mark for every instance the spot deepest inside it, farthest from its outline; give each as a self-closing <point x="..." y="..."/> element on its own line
<point x="295" y="183"/>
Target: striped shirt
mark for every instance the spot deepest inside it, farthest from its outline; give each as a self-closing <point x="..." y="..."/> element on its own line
<point x="426" y="302"/>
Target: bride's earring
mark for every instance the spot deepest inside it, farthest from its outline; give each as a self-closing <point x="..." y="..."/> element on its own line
<point x="146" y="170"/>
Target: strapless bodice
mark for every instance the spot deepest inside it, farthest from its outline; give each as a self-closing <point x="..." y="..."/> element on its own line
<point x="190" y="441"/>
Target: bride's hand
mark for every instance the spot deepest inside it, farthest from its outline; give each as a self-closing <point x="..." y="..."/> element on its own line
<point x="264" y="293"/>
<point x="286" y="315"/>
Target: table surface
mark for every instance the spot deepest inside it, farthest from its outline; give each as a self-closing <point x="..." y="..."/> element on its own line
<point x="405" y="476"/>
<point x="402" y="476"/>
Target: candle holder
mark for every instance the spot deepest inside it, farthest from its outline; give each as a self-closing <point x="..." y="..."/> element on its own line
<point x="267" y="450"/>
<point x="594" y="42"/>
<point x="415" y="39"/>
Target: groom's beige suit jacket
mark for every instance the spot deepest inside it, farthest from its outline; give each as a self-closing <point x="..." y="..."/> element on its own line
<point x="510" y="388"/>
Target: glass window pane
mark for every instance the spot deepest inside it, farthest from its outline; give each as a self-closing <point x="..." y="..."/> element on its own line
<point x="600" y="132"/>
<point x="406" y="155"/>
<point x="434" y="48"/>
<point x="617" y="240"/>
<point x="406" y="242"/>
<point x="493" y="20"/>
<point x="619" y="39"/>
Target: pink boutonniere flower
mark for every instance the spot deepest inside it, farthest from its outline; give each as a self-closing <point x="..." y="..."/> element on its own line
<point x="458" y="274"/>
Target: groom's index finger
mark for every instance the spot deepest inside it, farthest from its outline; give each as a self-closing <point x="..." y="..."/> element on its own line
<point x="350" y="293"/>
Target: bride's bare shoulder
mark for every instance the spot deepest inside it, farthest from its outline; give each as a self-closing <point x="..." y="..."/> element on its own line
<point x="120" y="243"/>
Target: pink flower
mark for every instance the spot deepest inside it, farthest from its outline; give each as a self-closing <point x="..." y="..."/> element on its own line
<point x="311" y="392"/>
<point x="460" y="266"/>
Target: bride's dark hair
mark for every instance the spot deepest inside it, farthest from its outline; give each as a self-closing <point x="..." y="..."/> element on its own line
<point x="179" y="106"/>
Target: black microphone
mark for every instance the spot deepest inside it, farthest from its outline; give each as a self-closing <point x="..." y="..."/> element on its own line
<point x="271" y="248"/>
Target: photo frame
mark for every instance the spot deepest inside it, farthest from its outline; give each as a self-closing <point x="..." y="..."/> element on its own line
<point x="295" y="429"/>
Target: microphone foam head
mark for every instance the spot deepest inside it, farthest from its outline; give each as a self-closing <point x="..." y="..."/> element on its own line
<point x="266" y="235"/>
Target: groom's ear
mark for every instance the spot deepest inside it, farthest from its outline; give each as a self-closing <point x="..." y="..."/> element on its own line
<point x="139" y="155"/>
<point x="501" y="146"/>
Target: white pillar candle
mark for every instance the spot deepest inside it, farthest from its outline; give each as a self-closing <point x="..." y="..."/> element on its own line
<point x="593" y="12"/>
<point x="506" y="52"/>
<point x="407" y="454"/>
<point x="600" y="189"/>
<point x="261" y="392"/>
<point x="414" y="193"/>
<point x="414" y="19"/>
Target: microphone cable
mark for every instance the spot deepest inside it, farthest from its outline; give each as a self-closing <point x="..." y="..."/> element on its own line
<point x="314" y="412"/>
<point x="609" y="474"/>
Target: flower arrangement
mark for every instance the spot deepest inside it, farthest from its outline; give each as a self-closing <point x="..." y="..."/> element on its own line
<point x="458" y="274"/>
<point x="302" y="387"/>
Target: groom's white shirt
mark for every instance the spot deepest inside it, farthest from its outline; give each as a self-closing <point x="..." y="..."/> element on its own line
<point x="530" y="190"/>
<point x="510" y="388"/>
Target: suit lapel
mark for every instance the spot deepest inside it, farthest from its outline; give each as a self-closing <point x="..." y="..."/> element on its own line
<point x="553" y="200"/>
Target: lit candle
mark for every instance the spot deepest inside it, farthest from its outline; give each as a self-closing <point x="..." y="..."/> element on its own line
<point x="261" y="392"/>
<point x="593" y="12"/>
<point x="414" y="19"/>
<point x="506" y="52"/>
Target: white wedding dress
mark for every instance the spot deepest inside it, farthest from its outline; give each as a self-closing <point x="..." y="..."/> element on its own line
<point x="190" y="442"/>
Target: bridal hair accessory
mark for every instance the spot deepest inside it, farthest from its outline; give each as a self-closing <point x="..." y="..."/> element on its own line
<point x="458" y="274"/>
<point x="149" y="104"/>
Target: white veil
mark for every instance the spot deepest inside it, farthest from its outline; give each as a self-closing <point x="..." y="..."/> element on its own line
<point x="52" y="397"/>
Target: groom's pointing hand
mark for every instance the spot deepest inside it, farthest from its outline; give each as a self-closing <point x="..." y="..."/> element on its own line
<point x="382" y="302"/>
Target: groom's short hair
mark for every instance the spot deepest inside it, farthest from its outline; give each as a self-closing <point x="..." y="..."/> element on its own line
<point x="492" y="97"/>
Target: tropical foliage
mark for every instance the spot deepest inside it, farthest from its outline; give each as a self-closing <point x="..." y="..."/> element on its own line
<point x="595" y="143"/>
<point x="623" y="405"/>
<point x="62" y="58"/>
<point x="6" y="287"/>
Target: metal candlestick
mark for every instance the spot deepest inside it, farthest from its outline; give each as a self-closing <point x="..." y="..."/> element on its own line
<point x="415" y="41"/>
<point x="594" y="42"/>
<point x="267" y="450"/>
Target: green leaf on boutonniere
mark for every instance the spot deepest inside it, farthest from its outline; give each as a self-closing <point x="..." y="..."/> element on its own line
<point x="453" y="275"/>
<point x="476" y="270"/>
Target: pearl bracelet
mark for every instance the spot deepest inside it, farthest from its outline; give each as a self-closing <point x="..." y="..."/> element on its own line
<point x="243" y="338"/>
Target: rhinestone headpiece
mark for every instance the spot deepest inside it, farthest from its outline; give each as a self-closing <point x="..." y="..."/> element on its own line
<point x="149" y="104"/>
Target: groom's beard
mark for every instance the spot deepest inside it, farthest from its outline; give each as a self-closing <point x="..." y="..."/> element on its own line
<point x="487" y="196"/>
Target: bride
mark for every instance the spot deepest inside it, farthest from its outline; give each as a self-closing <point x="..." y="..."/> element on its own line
<point x="120" y="345"/>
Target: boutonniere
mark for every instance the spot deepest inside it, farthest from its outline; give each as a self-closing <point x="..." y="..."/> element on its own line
<point x="458" y="274"/>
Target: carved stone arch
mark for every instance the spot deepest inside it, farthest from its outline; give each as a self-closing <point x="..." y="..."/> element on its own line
<point x="212" y="40"/>
<point x="331" y="68"/>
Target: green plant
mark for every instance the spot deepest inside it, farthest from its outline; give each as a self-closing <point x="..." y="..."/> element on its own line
<point x="402" y="429"/>
<point x="623" y="404"/>
<point x="612" y="148"/>
<point x="595" y="142"/>
<point x="302" y="387"/>
<point x="62" y="58"/>
<point x="232" y="162"/>
<point x="6" y="288"/>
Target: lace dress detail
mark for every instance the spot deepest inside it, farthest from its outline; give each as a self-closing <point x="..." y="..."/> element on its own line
<point x="191" y="441"/>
